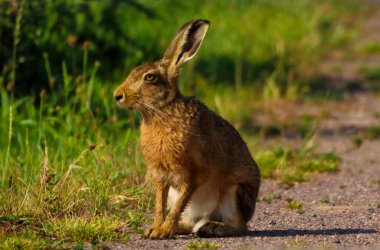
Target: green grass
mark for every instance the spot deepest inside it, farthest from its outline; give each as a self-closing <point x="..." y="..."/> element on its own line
<point x="288" y="166"/>
<point x="24" y="240"/>
<point x="30" y="232"/>
<point x="91" y="229"/>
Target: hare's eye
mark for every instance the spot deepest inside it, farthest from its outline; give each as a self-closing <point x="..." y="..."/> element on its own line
<point x="150" y="77"/>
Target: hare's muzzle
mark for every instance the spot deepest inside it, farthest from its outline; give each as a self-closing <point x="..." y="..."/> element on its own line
<point x="119" y="96"/>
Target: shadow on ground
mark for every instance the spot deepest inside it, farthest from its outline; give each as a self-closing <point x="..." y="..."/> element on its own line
<point x="301" y="232"/>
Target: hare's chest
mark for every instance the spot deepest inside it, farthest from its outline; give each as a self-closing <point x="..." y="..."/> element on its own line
<point x="164" y="145"/>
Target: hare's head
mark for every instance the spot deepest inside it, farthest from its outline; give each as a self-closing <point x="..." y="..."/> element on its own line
<point x="154" y="85"/>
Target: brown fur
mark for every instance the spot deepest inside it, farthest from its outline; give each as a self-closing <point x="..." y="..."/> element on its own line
<point x="186" y="145"/>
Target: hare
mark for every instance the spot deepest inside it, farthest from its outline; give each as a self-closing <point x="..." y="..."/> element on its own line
<point x="197" y="162"/>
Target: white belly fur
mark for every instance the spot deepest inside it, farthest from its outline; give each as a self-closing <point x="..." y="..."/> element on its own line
<point x="206" y="201"/>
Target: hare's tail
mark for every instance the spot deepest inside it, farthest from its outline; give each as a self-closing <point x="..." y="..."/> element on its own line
<point x="247" y="193"/>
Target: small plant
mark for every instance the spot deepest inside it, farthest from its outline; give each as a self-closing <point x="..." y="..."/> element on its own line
<point x="296" y="243"/>
<point x="357" y="140"/>
<point x="371" y="73"/>
<point x="375" y="182"/>
<point x="295" y="205"/>
<point x="306" y="125"/>
<point x="370" y="48"/>
<point x="270" y="198"/>
<point x="373" y="132"/>
<point x="289" y="178"/>
<point x="324" y="200"/>
<point x="200" y="244"/>
<point x="78" y="245"/>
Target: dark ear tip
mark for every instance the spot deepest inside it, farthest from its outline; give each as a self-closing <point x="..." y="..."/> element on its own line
<point x="202" y="21"/>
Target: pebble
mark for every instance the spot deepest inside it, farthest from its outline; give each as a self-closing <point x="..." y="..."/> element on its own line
<point x="272" y="222"/>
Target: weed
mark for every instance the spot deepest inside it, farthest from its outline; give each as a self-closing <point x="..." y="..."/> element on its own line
<point x="370" y="48"/>
<point x="305" y="126"/>
<point x="373" y="132"/>
<point x="376" y="115"/>
<point x="296" y="243"/>
<point x="375" y="182"/>
<point x="295" y="205"/>
<point x="371" y="73"/>
<point x="78" y="245"/>
<point x="324" y="200"/>
<point x="289" y="178"/>
<point x="270" y="198"/>
<point x="357" y="140"/>
<point x="200" y="244"/>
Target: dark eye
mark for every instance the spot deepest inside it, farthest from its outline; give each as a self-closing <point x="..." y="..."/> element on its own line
<point x="150" y="77"/>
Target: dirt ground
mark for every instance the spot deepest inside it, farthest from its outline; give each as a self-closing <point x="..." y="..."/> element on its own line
<point x="340" y="210"/>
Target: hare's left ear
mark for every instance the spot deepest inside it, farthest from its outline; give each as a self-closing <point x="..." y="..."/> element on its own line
<point x="186" y="43"/>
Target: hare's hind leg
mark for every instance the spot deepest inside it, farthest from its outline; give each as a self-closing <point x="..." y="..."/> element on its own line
<point x="227" y="219"/>
<point x="201" y="205"/>
<point x="219" y="229"/>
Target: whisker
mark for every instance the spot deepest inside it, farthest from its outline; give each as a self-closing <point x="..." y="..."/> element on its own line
<point x="161" y="115"/>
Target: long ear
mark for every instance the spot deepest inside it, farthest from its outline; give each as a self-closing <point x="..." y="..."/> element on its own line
<point x="185" y="44"/>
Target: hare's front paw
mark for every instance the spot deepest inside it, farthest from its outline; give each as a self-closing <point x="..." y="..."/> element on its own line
<point x="151" y="232"/>
<point x="159" y="233"/>
<point x="164" y="232"/>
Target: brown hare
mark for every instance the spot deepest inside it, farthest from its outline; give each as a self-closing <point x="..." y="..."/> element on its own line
<point x="197" y="162"/>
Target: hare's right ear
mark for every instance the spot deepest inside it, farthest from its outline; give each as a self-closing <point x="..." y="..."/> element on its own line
<point x="185" y="44"/>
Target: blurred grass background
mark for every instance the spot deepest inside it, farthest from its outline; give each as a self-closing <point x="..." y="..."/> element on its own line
<point x="67" y="151"/>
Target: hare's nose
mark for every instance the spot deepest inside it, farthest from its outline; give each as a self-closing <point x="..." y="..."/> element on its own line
<point x="118" y="97"/>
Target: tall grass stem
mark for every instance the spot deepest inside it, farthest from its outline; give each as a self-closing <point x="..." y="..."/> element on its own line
<point x="10" y="131"/>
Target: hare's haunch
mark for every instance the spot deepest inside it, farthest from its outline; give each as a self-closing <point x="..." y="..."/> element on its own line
<point x="197" y="162"/>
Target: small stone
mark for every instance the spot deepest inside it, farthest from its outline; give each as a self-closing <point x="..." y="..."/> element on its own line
<point x="272" y="222"/>
<point x="337" y="241"/>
